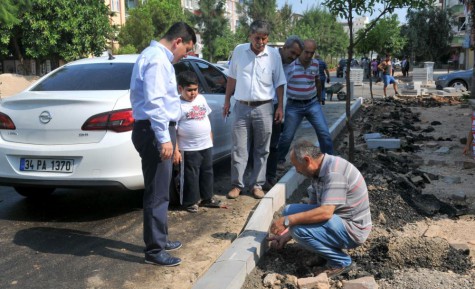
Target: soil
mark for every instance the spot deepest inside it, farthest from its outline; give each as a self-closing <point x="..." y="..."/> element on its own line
<point x="422" y="201"/>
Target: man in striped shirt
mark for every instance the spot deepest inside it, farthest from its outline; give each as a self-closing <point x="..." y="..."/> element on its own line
<point x="337" y="216"/>
<point x="302" y="101"/>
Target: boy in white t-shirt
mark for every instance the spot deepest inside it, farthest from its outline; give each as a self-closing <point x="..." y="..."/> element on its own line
<point x="194" y="146"/>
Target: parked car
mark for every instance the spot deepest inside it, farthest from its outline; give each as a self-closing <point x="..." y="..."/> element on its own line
<point x="341" y="68"/>
<point x="73" y="127"/>
<point x="461" y="79"/>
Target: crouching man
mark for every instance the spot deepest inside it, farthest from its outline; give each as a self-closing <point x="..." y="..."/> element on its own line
<point x="337" y="216"/>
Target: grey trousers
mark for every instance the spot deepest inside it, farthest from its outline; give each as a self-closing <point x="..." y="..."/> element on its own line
<point x="252" y="129"/>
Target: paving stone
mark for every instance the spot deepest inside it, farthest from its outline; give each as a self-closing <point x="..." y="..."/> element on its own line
<point x="367" y="282"/>
<point x="388" y="143"/>
<point x="452" y="179"/>
<point x="442" y="150"/>
<point x="318" y="282"/>
<point x="459" y="196"/>
<point x="375" y="135"/>
<point x="461" y="247"/>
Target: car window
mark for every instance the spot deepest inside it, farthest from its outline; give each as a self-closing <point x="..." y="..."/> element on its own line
<point x="96" y="76"/>
<point x="214" y="77"/>
<point x="185" y="66"/>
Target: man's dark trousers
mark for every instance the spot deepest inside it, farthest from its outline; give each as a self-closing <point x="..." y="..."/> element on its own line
<point x="273" y="159"/>
<point x="157" y="176"/>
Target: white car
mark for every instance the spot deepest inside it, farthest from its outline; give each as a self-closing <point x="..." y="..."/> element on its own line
<point x="73" y="127"/>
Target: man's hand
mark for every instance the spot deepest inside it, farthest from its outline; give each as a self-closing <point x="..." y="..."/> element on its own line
<point x="279" y="114"/>
<point x="176" y="157"/>
<point x="166" y="151"/>
<point x="278" y="242"/>
<point x="277" y="226"/>
<point x="226" y="107"/>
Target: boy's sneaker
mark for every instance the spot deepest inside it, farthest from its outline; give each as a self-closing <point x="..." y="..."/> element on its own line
<point x="334" y="271"/>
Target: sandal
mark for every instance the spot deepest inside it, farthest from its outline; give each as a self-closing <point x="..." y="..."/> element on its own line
<point x="213" y="203"/>
<point x="192" y="208"/>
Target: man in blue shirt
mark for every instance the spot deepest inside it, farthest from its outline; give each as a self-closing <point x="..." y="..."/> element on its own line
<point x="156" y="108"/>
<point x="324" y="77"/>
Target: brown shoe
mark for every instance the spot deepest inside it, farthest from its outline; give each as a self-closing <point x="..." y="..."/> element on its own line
<point x="332" y="271"/>
<point x="258" y="193"/>
<point x="233" y="193"/>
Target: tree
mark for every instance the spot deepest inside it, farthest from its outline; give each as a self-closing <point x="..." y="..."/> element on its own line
<point x="348" y="9"/>
<point x="385" y="37"/>
<point x="150" y="21"/>
<point x="284" y="24"/>
<point x="322" y="26"/>
<point x="212" y="25"/>
<point x="251" y="10"/>
<point x="57" y="29"/>
<point x="429" y="33"/>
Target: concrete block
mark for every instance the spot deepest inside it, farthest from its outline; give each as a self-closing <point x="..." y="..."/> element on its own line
<point x="367" y="282"/>
<point x="442" y="150"/>
<point x="262" y="216"/>
<point x="247" y="249"/>
<point x="459" y="196"/>
<point x="452" y="179"/>
<point x="223" y="275"/>
<point x="277" y="194"/>
<point x="388" y="143"/>
<point x="461" y="247"/>
<point x="450" y="89"/>
<point x="318" y="282"/>
<point x="291" y="180"/>
<point x="374" y="135"/>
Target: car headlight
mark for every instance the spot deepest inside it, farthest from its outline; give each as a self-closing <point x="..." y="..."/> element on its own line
<point x="443" y="77"/>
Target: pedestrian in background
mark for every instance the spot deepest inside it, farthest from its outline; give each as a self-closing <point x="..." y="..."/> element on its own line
<point x="302" y="89"/>
<point x="386" y="67"/>
<point x="292" y="49"/>
<point x="156" y="108"/>
<point x="194" y="150"/>
<point x="337" y="216"/>
<point x="324" y="77"/>
<point x="255" y="76"/>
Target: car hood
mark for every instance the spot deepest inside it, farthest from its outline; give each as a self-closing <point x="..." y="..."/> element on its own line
<point x="51" y="118"/>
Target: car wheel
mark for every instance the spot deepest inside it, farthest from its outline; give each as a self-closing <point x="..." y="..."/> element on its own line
<point x="33" y="192"/>
<point x="459" y="85"/>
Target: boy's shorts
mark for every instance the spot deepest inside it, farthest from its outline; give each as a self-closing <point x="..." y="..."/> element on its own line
<point x="388" y="79"/>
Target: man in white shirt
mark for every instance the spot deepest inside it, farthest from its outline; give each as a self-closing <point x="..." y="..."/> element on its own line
<point x="156" y="108"/>
<point x="255" y="76"/>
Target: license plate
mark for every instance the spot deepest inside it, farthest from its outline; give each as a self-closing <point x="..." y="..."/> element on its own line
<point x="47" y="165"/>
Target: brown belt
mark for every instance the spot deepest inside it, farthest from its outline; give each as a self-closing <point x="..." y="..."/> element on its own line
<point x="255" y="103"/>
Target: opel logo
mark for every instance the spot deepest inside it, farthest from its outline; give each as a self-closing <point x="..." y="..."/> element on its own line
<point x="45" y="117"/>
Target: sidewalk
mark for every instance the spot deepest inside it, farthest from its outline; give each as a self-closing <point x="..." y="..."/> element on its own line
<point x="231" y="268"/>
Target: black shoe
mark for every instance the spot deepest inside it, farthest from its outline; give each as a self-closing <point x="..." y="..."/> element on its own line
<point x="173" y="245"/>
<point x="163" y="259"/>
<point x="323" y="102"/>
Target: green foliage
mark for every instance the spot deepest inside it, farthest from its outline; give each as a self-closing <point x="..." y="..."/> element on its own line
<point x="283" y="24"/>
<point x="127" y="49"/>
<point x="429" y="33"/>
<point x="330" y="36"/>
<point x="65" y="29"/>
<point x="252" y="10"/>
<point x="385" y="37"/>
<point x="150" y="21"/>
<point x="212" y="24"/>
<point x="10" y="10"/>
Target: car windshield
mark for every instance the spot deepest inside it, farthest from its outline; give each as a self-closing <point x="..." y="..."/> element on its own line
<point x="97" y="76"/>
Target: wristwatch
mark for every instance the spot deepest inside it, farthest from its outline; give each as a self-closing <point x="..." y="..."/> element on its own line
<point x="286" y="222"/>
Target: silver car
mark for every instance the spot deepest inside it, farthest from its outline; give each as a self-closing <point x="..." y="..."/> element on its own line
<point x="461" y="80"/>
<point x="72" y="128"/>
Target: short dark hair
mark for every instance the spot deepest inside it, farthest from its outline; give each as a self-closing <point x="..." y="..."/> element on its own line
<point x="180" y="30"/>
<point x="187" y="78"/>
<point x="260" y="26"/>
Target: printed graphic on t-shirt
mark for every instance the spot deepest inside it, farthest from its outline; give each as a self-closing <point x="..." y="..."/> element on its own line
<point x="196" y="112"/>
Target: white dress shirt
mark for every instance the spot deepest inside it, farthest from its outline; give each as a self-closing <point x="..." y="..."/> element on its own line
<point x="257" y="76"/>
<point x="153" y="90"/>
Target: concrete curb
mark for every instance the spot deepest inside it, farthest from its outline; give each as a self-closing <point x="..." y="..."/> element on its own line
<point x="231" y="268"/>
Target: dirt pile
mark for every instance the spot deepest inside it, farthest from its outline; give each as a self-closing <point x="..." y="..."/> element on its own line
<point x="399" y="252"/>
